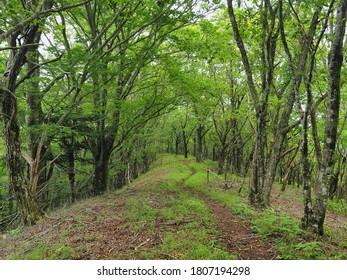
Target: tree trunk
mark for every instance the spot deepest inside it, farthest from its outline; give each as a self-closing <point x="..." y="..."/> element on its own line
<point x="185" y="144"/>
<point x="199" y="142"/>
<point x="260" y="99"/>
<point x="26" y="197"/>
<point x="306" y="174"/>
<point x="237" y="154"/>
<point x="214" y="153"/>
<point x="177" y="142"/>
<point x="24" y="192"/>
<point x="331" y="120"/>
<point x="146" y="162"/>
<point x="281" y="129"/>
<point x="101" y="167"/>
<point x="100" y="179"/>
<point x="342" y="179"/>
<point x="258" y="168"/>
<point x="222" y="161"/>
<point x="71" y="171"/>
<point x="38" y="149"/>
<point x="10" y="202"/>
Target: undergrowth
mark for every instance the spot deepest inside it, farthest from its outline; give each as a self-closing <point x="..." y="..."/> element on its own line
<point x="338" y="206"/>
<point x="51" y="252"/>
<point x="158" y="204"/>
<point x="190" y="231"/>
<point x="283" y="231"/>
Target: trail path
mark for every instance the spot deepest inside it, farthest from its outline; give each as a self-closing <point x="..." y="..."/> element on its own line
<point x="131" y="224"/>
<point x="235" y="233"/>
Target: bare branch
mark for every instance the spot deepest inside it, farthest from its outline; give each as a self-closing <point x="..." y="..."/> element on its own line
<point x="6" y="91"/>
<point x="243" y="52"/>
<point x="32" y="70"/>
<point x="22" y="46"/>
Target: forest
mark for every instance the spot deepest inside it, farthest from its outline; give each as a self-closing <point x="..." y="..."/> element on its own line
<point x="93" y="93"/>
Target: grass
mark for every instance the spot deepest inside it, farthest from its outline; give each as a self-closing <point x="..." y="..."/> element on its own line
<point x="268" y="223"/>
<point x="158" y="205"/>
<point x="51" y="252"/>
<point x="338" y="206"/>
<point x="194" y="243"/>
<point x="190" y="231"/>
<point x="283" y="231"/>
<point x="302" y="250"/>
<point x="198" y="182"/>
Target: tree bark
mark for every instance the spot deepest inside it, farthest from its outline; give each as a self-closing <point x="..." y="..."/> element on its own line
<point x="199" y="141"/>
<point x="26" y="198"/>
<point x="177" y="143"/>
<point x="38" y="148"/>
<point x="71" y="168"/>
<point x="260" y="101"/>
<point x="331" y="120"/>
<point x="24" y="191"/>
<point x="102" y="156"/>
<point x="282" y="127"/>
<point x="306" y="174"/>
<point x="185" y="143"/>
<point x="258" y="164"/>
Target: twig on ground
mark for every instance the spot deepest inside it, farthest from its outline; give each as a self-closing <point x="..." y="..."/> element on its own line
<point x="143" y="243"/>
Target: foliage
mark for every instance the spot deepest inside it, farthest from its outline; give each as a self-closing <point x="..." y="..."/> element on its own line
<point x="302" y="251"/>
<point x="338" y="206"/>
<point x="159" y="205"/>
<point x="51" y="252"/>
<point x="107" y="86"/>
<point x="268" y="223"/>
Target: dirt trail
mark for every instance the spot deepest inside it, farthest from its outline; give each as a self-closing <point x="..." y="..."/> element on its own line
<point x="237" y="234"/>
<point x="98" y="228"/>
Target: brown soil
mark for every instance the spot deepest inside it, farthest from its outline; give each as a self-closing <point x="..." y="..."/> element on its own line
<point x="99" y="229"/>
<point x="290" y="202"/>
<point x="237" y="234"/>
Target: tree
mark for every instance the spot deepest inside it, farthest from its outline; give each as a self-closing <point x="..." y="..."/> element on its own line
<point x="21" y="35"/>
<point x="271" y="27"/>
<point x="316" y="214"/>
<point x="19" y="40"/>
<point x="118" y="52"/>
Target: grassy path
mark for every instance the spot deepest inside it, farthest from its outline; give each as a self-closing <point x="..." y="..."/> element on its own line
<point x="235" y="233"/>
<point x="150" y="219"/>
<point x="169" y="213"/>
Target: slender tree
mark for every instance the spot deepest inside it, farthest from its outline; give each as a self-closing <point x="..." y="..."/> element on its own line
<point x="318" y="211"/>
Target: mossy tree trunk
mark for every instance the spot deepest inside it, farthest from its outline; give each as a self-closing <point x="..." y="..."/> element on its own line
<point x="23" y="191"/>
<point x="331" y="121"/>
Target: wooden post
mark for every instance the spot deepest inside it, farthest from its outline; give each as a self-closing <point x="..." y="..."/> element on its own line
<point x="208" y="175"/>
<point x="129" y="181"/>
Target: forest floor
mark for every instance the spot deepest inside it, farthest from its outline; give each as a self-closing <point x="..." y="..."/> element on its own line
<point x="173" y="213"/>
